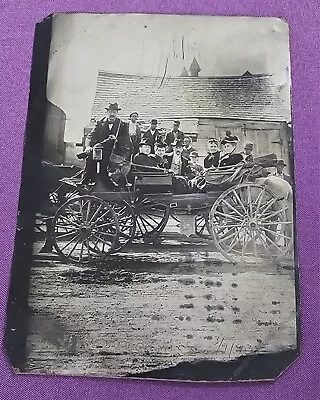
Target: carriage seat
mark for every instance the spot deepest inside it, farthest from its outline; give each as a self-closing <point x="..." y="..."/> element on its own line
<point x="153" y="182"/>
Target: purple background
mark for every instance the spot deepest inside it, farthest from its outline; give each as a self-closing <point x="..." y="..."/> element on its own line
<point x="18" y="18"/>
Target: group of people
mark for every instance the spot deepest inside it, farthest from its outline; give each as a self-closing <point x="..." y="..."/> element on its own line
<point x="125" y="145"/>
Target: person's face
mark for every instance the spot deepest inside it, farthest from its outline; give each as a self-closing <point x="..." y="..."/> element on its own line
<point x="160" y="151"/>
<point x="194" y="159"/>
<point x="248" y="150"/>
<point x="112" y="114"/>
<point x="153" y="126"/>
<point x="175" y="127"/>
<point x="213" y="147"/>
<point x="177" y="150"/>
<point x="145" y="149"/>
<point x="229" y="147"/>
<point x="280" y="168"/>
<point x="187" y="141"/>
<point x="134" y="117"/>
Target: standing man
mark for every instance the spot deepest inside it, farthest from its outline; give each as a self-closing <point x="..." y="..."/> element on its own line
<point x="175" y="135"/>
<point x="134" y="132"/>
<point x="152" y="135"/>
<point x="113" y="135"/>
<point x="247" y="152"/>
<point x="280" y="171"/>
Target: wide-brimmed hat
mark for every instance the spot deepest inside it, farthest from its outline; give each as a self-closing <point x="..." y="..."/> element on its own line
<point x="229" y="138"/>
<point x="176" y="122"/>
<point x="113" y="106"/>
<point x="281" y="162"/>
<point x="134" y="112"/>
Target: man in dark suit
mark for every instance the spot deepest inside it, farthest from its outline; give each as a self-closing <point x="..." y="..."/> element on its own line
<point x="175" y="136"/>
<point x="280" y="171"/>
<point x="143" y="159"/>
<point x="112" y="135"/>
<point x="178" y="164"/>
<point x="152" y="135"/>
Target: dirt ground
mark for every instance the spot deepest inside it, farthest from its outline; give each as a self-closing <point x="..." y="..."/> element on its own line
<point x="154" y="306"/>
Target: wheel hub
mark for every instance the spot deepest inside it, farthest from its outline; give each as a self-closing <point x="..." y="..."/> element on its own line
<point x="252" y="224"/>
<point x="85" y="231"/>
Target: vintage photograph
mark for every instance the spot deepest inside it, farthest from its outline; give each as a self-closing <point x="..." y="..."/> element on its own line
<point x="164" y="237"/>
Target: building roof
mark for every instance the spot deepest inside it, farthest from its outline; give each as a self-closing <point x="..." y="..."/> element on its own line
<point x="247" y="97"/>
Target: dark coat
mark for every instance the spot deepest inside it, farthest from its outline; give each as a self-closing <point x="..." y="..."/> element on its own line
<point x="228" y="160"/>
<point x="152" y="138"/>
<point x="159" y="162"/>
<point x="212" y="160"/>
<point x="144" y="160"/>
<point x="172" y="136"/>
<point x="122" y="146"/>
<point x="185" y="167"/>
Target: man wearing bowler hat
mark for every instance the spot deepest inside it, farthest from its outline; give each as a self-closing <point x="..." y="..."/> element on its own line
<point x="113" y="135"/>
<point x="152" y="135"/>
<point x="280" y="171"/>
<point x="247" y="152"/>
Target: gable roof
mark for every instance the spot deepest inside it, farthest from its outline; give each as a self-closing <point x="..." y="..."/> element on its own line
<point x="247" y="97"/>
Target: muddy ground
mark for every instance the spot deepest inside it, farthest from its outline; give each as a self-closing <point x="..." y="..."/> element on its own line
<point x="153" y="307"/>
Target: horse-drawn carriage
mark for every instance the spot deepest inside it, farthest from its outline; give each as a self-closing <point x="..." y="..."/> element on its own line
<point x="243" y="220"/>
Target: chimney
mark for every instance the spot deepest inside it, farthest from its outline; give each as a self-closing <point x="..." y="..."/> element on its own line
<point x="194" y="68"/>
<point x="184" y="72"/>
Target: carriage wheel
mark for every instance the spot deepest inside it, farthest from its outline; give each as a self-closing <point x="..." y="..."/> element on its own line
<point x="127" y="223"/>
<point x="250" y="224"/>
<point x="202" y="226"/>
<point x="85" y="229"/>
<point x="151" y="217"/>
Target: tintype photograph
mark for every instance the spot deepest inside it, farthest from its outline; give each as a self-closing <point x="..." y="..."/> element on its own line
<point x="156" y="226"/>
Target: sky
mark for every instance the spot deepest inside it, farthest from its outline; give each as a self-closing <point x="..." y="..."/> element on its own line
<point x="83" y="44"/>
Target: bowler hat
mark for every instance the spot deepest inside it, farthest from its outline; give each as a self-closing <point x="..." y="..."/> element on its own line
<point x="281" y="162"/>
<point x="113" y="106"/>
<point x="176" y="122"/>
<point x="229" y="138"/>
<point x="154" y="121"/>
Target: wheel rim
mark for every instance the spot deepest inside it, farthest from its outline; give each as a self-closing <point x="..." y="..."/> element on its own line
<point x="85" y="229"/>
<point x="250" y="224"/>
<point x="127" y="223"/>
<point x="151" y="217"/>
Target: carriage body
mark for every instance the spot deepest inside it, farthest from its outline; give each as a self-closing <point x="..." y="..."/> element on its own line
<point x="245" y="221"/>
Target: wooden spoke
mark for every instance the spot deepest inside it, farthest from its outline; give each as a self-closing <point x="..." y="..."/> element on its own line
<point x="228" y="216"/>
<point x="232" y="208"/>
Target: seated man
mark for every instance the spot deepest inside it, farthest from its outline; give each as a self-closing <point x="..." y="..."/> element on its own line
<point x="213" y="157"/>
<point x="158" y="157"/>
<point x="197" y="182"/>
<point x="179" y="165"/>
<point x="230" y="157"/>
<point x="143" y="159"/>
